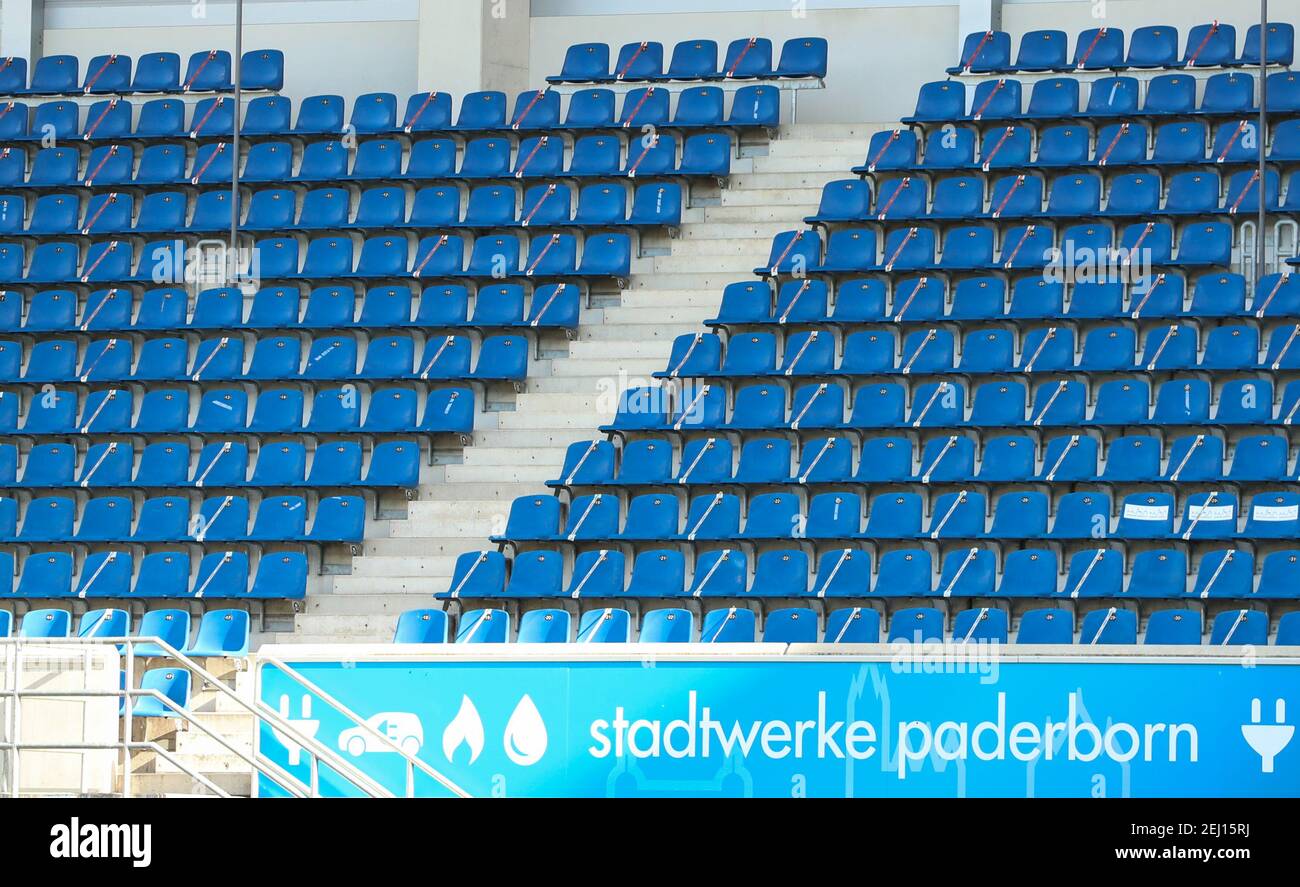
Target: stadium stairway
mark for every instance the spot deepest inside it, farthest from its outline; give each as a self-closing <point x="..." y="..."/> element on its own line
<point x="672" y="290"/>
<point x="153" y="775"/>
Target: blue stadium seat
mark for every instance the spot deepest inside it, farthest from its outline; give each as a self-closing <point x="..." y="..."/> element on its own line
<point x="421" y="627"/>
<point x="46" y="623"/>
<point x="544" y="627"/>
<point x="1098" y="49"/>
<point x="1109" y="626"/>
<point x="852" y="625"/>
<point x="1046" y="626"/>
<point x="729" y="626"/>
<point x="1174" y="627"/>
<point x="608" y="626"/>
<point x="984" y="52"/>
<point x="1239" y="627"/>
<point x="483" y="627"/>
<point x="984" y="625"/>
<point x="790" y="625"/>
<point x="916" y="625"/>
<point x="666" y="626"/>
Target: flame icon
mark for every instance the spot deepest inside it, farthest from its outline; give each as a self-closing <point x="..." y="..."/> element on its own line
<point x="466" y="727"/>
<point x="525" y="737"/>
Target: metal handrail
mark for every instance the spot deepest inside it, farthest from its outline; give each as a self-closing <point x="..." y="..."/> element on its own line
<point x="412" y="762"/>
<point x="260" y="711"/>
<point x="268" y="768"/>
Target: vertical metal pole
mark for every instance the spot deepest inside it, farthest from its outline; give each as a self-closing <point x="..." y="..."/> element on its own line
<point x="1260" y="264"/>
<point x="128" y="722"/>
<point x="11" y="715"/>
<point x="232" y="257"/>
<point x="14" y="773"/>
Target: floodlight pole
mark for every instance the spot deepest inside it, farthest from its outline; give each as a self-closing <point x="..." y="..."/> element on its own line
<point x="1260" y="263"/>
<point x="232" y="258"/>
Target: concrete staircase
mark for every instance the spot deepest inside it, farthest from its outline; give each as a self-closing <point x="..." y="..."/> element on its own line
<point x="622" y="340"/>
<point x="152" y="774"/>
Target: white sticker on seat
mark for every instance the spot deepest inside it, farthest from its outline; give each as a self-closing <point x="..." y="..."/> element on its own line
<point x="1146" y="512"/>
<point x="1210" y="512"/>
<point x="1276" y="512"/>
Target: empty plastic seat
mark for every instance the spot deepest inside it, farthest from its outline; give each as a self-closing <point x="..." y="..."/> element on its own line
<point x="728" y="626"/>
<point x="1046" y="626"/>
<point x="544" y="627"/>
<point x="984" y="625"/>
<point x="1109" y="626"/>
<point x="984" y="52"/>
<point x="791" y="625"/>
<point x="607" y="626"/>
<point x="1174" y="627"/>
<point x="171" y="627"/>
<point x="46" y="624"/>
<point x="222" y="633"/>
<point x="665" y="626"/>
<point x="1239" y="627"/>
<point x="852" y="625"/>
<point x="916" y="625"/>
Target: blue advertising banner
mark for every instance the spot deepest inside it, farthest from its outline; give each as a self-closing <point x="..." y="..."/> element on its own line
<point x="803" y="726"/>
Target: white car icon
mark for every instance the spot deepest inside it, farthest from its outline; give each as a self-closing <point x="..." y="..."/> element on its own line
<point x="401" y="727"/>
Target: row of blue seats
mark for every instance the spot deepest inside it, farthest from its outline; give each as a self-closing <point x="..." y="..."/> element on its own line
<point x="903" y="573"/>
<point x="1153" y="46"/>
<point x="279" y="209"/>
<point x="225" y="411"/>
<point x="1001" y="404"/>
<point x="992" y="350"/>
<point x="220" y="633"/>
<point x="274" y="359"/>
<point x="746" y="58"/>
<point x="225" y="463"/>
<point x="945" y="101"/>
<point x="1117" y="145"/>
<point x="1139" y="247"/>
<point x="1019" y="514"/>
<point x="944" y="459"/>
<point x="1073" y="195"/>
<point x="928" y="299"/>
<point x="220" y="464"/>
<point x="847" y="625"/>
<point x="277" y="258"/>
<point x="222" y="518"/>
<point x="282" y="307"/>
<point x="603" y="156"/>
<point x="208" y="70"/>
<point x="376" y="114"/>
<point x="163" y="574"/>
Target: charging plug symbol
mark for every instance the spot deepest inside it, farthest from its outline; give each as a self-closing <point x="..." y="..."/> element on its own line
<point x="1268" y="740"/>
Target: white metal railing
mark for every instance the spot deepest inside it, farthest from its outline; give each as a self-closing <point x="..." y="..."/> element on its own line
<point x="13" y="694"/>
<point x="412" y="762"/>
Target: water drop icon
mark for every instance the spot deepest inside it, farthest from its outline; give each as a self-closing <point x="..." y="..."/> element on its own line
<point x="525" y="737"/>
<point x="467" y="728"/>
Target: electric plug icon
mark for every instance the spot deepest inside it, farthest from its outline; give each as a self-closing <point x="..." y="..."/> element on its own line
<point x="1268" y="740"/>
<point x="304" y="724"/>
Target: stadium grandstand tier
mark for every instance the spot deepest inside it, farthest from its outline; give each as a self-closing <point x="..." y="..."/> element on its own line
<point x="874" y="385"/>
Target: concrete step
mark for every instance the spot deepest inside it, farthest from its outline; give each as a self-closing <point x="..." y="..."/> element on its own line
<point x="239" y="784"/>
<point x="756" y="193"/>
<point x="786" y="180"/>
<point x="351" y="606"/>
<point x="784" y="215"/>
<point x="630" y="331"/>
<point x="415" y="541"/>
<point x="839" y="131"/>
<point x="839" y="163"/>
<point x="387" y="566"/>
<point x="740" y="232"/>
